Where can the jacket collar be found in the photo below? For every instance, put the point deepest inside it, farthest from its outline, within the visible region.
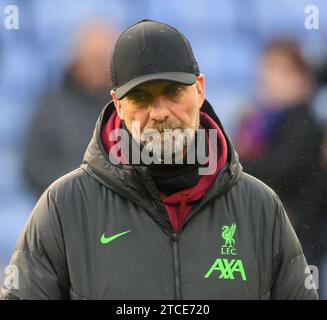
(126, 179)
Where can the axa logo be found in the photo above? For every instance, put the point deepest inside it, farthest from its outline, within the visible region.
(227, 268)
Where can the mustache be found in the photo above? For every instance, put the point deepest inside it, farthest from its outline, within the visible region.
(161, 126)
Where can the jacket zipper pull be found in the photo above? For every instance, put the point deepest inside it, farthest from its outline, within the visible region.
(174, 236)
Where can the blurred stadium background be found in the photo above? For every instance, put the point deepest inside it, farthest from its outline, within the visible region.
(227, 37)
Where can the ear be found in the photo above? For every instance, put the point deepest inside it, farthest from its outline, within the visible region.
(117, 104)
(199, 84)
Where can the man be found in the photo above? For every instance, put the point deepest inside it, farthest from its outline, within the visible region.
(60, 128)
(129, 225)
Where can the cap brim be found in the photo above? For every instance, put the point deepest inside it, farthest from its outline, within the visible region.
(179, 77)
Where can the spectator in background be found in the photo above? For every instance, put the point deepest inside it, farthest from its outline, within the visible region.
(61, 126)
(320, 111)
(286, 152)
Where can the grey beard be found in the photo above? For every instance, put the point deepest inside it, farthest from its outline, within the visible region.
(167, 145)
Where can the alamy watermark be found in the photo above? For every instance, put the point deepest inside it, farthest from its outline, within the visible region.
(312, 279)
(11, 17)
(311, 21)
(11, 280)
(166, 146)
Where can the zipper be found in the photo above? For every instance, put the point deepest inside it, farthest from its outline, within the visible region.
(177, 279)
(174, 235)
(176, 265)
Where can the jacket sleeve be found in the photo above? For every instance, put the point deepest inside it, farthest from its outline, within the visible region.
(39, 258)
(291, 276)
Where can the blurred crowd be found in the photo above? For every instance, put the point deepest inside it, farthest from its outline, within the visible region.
(63, 122)
(281, 141)
(265, 76)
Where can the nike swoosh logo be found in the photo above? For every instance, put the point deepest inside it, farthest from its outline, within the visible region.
(106, 240)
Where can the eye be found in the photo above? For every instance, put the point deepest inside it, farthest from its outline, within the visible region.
(174, 91)
(139, 97)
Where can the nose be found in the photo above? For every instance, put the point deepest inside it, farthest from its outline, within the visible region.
(159, 109)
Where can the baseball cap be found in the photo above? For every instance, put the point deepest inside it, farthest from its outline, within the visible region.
(148, 51)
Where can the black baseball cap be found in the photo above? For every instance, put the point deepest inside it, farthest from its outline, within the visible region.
(148, 51)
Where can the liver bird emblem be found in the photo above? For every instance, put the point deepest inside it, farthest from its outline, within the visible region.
(228, 235)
